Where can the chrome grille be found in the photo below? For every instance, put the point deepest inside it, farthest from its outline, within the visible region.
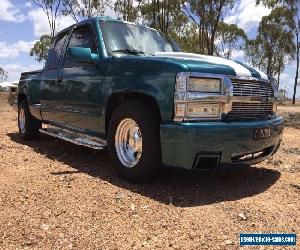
(247, 110)
(242, 87)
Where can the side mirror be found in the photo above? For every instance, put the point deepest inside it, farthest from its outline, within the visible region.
(82, 54)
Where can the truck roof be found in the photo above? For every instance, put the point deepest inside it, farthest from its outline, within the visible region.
(102, 18)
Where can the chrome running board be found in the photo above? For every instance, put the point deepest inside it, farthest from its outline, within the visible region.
(75, 137)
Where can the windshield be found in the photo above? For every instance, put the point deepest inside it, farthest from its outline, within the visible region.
(129, 38)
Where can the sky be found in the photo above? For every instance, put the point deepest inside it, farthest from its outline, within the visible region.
(22, 23)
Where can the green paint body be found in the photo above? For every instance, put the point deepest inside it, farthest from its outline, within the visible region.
(78, 97)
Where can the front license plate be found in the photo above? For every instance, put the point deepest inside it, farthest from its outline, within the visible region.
(261, 133)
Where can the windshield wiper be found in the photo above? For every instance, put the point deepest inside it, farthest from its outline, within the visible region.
(129, 51)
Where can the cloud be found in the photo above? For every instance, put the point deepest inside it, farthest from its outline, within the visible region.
(10, 12)
(41, 25)
(238, 55)
(28, 5)
(15, 70)
(246, 14)
(14, 49)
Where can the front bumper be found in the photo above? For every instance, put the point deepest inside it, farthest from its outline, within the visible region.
(184, 144)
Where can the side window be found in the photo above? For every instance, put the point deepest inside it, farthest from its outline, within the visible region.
(55, 52)
(81, 37)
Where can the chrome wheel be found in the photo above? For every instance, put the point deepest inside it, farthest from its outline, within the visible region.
(22, 120)
(128, 142)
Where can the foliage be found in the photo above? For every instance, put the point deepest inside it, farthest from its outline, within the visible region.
(293, 7)
(273, 46)
(229, 38)
(127, 10)
(184, 34)
(83, 9)
(41, 48)
(207, 14)
(3, 75)
(160, 14)
(282, 94)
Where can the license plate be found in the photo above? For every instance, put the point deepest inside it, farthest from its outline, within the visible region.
(261, 133)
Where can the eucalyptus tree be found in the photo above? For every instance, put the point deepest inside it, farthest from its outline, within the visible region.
(273, 46)
(52, 10)
(160, 14)
(83, 9)
(128, 10)
(293, 7)
(207, 14)
(184, 33)
(3, 75)
(229, 37)
(41, 48)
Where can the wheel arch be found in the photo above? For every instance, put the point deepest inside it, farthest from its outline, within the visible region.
(117, 99)
(22, 97)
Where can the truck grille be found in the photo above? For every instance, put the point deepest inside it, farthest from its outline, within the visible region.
(243, 87)
(244, 110)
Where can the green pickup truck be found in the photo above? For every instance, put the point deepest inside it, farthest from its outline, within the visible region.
(125, 87)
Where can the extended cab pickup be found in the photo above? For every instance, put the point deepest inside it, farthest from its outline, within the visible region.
(116, 85)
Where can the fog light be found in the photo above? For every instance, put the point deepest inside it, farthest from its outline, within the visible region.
(203, 110)
(180, 109)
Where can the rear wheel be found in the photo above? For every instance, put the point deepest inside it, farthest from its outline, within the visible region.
(134, 143)
(28, 125)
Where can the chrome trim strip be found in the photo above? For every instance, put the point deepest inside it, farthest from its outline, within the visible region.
(75, 137)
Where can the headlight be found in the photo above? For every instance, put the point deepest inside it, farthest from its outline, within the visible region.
(198, 97)
(203, 110)
(205, 85)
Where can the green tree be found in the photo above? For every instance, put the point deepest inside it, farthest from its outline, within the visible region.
(41, 48)
(184, 33)
(230, 37)
(83, 9)
(207, 14)
(282, 94)
(273, 46)
(127, 10)
(160, 14)
(3, 75)
(293, 7)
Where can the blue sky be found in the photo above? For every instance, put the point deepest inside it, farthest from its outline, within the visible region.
(22, 23)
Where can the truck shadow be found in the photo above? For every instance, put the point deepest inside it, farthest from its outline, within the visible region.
(177, 187)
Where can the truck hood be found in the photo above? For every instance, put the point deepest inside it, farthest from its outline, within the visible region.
(213, 64)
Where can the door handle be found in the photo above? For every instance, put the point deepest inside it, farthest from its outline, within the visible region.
(59, 79)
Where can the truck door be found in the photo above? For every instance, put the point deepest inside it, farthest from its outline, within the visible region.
(78, 85)
(49, 77)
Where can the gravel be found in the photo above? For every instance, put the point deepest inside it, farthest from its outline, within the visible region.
(55, 194)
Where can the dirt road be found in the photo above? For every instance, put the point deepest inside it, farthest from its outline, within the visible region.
(57, 195)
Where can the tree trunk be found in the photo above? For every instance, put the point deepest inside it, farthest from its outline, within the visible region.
(297, 68)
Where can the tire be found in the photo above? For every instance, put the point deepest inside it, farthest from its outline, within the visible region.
(28, 125)
(142, 166)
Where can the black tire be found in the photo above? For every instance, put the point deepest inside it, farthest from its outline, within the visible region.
(149, 163)
(32, 125)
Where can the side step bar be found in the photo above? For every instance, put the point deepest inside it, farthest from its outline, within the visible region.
(75, 137)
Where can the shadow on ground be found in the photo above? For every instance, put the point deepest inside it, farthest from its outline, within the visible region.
(180, 187)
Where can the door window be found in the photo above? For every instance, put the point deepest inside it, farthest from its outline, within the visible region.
(81, 37)
(55, 52)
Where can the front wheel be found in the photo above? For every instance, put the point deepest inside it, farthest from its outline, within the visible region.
(134, 143)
